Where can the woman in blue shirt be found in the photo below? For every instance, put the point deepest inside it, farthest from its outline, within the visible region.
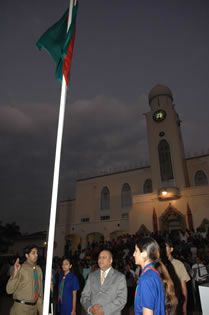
(155, 292)
(67, 289)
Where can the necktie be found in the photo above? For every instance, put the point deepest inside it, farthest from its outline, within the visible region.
(198, 269)
(61, 288)
(102, 277)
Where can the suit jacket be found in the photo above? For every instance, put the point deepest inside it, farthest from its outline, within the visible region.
(111, 296)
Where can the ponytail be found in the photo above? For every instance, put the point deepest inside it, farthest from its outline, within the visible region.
(170, 297)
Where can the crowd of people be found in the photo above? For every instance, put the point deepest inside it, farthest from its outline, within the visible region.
(160, 272)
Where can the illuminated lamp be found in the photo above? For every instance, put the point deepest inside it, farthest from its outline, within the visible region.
(168, 193)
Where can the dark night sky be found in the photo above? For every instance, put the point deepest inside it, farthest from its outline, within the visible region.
(122, 49)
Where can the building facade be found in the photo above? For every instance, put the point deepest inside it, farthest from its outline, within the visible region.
(170, 194)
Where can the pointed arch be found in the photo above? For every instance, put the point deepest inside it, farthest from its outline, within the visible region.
(95, 237)
(126, 197)
(72, 241)
(105, 198)
(200, 178)
(172, 220)
(147, 186)
(143, 230)
(166, 170)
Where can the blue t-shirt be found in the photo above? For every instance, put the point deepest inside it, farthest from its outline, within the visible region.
(149, 293)
(71, 284)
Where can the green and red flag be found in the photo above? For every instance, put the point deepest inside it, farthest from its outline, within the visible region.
(59, 43)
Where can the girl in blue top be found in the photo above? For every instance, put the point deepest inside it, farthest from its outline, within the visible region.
(67, 290)
(155, 291)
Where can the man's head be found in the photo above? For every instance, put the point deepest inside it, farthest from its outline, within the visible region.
(31, 253)
(198, 260)
(169, 247)
(105, 260)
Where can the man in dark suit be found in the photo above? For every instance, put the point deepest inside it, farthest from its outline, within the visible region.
(105, 292)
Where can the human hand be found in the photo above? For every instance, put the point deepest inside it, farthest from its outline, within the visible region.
(17, 267)
(96, 309)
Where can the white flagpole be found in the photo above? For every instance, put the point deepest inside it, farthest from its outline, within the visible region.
(50, 245)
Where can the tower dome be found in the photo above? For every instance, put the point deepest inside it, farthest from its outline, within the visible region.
(158, 94)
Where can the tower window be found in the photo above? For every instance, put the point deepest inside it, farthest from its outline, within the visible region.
(85, 219)
(166, 170)
(105, 198)
(105, 217)
(126, 198)
(200, 178)
(148, 186)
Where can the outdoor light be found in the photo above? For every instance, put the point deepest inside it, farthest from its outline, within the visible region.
(168, 193)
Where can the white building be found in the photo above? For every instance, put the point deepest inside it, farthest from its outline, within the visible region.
(172, 193)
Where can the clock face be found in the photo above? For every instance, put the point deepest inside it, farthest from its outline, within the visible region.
(159, 115)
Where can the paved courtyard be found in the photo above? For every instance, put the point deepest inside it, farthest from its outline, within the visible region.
(6, 303)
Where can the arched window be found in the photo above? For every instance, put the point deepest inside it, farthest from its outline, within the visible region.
(166, 170)
(126, 198)
(200, 178)
(148, 186)
(105, 198)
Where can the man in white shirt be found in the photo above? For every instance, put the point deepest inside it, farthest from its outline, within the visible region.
(199, 271)
(105, 292)
(199, 275)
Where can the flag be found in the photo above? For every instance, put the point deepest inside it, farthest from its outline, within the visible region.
(59, 43)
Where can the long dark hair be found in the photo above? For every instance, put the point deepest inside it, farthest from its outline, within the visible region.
(174, 278)
(152, 249)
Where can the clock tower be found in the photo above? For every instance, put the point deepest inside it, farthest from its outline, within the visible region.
(166, 149)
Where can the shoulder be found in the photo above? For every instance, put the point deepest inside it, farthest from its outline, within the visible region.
(180, 270)
(178, 264)
(117, 276)
(39, 270)
(73, 277)
(24, 266)
(94, 274)
(150, 277)
(150, 287)
(116, 272)
(151, 274)
(24, 269)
